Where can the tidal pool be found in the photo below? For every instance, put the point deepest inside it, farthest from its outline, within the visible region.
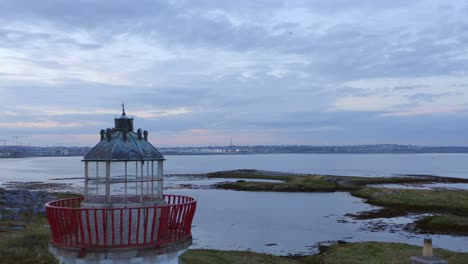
(292, 223)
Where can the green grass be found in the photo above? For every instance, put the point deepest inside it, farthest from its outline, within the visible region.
(354, 181)
(27, 246)
(306, 183)
(378, 252)
(207, 256)
(352, 253)
(450, 224)
(30, 247)
(455, 201)
(311, 182)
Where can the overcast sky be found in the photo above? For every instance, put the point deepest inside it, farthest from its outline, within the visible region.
(198, 72)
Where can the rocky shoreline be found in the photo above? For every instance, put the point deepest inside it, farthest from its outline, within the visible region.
(20, 201)
(21, 205)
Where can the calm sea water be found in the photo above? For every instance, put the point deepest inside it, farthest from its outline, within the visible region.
(453, 165)
(277, 223)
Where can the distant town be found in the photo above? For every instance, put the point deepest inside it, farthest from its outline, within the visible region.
(30, 151)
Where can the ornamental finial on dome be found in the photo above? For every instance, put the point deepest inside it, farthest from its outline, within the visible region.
(123, 122)
(123, 110)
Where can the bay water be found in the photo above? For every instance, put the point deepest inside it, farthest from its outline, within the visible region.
(277, 223)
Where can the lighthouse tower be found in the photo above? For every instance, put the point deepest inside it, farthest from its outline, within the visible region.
(124, 217)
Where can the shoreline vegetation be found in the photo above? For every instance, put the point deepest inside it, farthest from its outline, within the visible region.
(24, 233)
(292, 182)
(345, 253)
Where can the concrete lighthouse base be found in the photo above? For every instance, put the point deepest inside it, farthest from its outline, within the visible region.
(167, 255)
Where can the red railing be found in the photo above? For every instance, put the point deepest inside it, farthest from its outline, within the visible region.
(73, 226)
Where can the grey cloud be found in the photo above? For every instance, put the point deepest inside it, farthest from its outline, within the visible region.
(430, 97)
(345, 51)
(17, 38)
(322, 6)
(347, 41)
(408, 87)
(351, 91)
(422, 97)
(82, 12)
(162, 98)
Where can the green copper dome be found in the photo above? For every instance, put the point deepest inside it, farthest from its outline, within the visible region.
(122, 144)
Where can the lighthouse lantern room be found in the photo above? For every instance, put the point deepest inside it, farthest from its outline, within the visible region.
(124, 217)
(123, 168)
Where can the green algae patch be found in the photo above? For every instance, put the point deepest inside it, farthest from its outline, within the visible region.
(453, 201)
(204, 256)
(444, 224)
(378, 252)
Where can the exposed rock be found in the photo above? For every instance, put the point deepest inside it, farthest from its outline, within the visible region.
(21, 204)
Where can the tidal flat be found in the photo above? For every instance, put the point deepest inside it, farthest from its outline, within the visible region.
(20, 230)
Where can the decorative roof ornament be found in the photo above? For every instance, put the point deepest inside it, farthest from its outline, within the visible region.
(121, 143)
(123, 110)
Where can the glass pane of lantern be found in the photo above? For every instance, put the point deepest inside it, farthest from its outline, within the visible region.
(132, 170)
(158, 166)
(156, 193)
(147, 188)
(118, 172)
(96, 184)
(147, 171)
(91, 169)
(118, 194)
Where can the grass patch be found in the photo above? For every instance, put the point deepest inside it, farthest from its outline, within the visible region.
(312, 182)
(378, 252)
(29, 246)
(448, 224)
(204, 256)
(349, 253)
(357, 182)
(306, 183)
(454, 201)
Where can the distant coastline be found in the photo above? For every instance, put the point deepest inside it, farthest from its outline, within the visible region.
(304, 149)
(61, 151)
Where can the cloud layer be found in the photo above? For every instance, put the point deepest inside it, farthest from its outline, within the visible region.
(261, 72)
